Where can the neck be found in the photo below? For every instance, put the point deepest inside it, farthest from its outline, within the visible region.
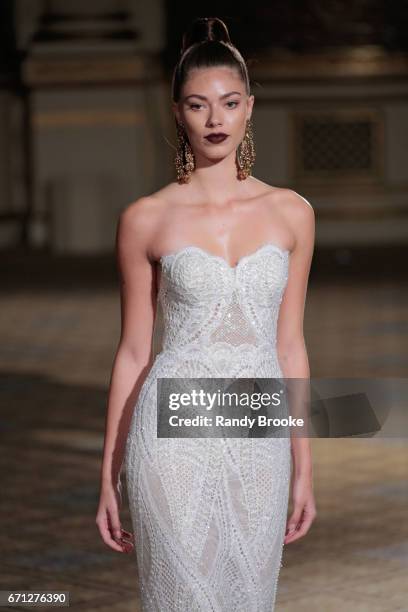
(217, 181)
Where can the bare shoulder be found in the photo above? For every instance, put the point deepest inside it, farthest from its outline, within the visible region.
(140, 213)
(282, 197)
(300, 217)
(293, 204)
(296, 209)
(138, 223)
(147, 210)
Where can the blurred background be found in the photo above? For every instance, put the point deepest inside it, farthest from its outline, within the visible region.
(85, 129)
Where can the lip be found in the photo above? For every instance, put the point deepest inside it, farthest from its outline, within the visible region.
(216, 137)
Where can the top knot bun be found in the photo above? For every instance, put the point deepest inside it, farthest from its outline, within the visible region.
(206, 44)
(204, 29)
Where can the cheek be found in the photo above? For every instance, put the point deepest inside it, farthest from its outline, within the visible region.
(195, 128)
(236, 123)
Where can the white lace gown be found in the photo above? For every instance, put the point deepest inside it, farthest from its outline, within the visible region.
(209, 515)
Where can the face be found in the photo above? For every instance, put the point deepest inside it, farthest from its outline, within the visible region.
(214, 100)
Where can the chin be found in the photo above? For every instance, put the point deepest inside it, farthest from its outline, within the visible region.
(216, 158)
(219, 152)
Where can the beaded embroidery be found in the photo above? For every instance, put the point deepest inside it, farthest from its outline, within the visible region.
(209, 515)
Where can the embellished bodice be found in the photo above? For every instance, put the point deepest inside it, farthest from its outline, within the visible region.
(212, 308)
(209, 513)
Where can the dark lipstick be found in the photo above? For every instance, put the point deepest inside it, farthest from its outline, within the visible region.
(216, 137)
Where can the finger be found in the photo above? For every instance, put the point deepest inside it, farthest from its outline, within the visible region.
(294, 536)
(127, 540)
(128, 535)
(291, 536)
(114, 524)
(111, 543)
(107, 537)
(300, 531)
(128, 548)
(293, 521)
(305, 525)
(106, 532)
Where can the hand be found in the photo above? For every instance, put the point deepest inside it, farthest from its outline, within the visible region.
(304, 509)
(108, 521)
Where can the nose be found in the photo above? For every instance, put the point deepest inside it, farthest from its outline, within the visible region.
(214, 119)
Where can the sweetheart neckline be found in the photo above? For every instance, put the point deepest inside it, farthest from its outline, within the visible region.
(283, 252)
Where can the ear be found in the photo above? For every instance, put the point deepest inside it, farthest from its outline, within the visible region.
(250, 105)
(176, 112)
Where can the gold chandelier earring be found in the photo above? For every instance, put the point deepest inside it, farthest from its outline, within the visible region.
(184, 160)
(245, 158)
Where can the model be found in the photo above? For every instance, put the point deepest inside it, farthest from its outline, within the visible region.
(227, 258)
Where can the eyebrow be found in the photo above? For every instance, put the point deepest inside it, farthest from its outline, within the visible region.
(204, 97)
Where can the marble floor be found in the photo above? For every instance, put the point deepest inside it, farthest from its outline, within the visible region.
(59, 327)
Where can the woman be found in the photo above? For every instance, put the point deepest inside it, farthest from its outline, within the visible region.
(224, 254)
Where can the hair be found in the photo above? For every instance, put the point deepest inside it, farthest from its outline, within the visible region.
(206, 43)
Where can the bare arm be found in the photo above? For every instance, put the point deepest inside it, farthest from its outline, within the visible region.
(291, 346)
(133, 355)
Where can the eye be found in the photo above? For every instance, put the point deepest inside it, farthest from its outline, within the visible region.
(195, 105)
(233, 102)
